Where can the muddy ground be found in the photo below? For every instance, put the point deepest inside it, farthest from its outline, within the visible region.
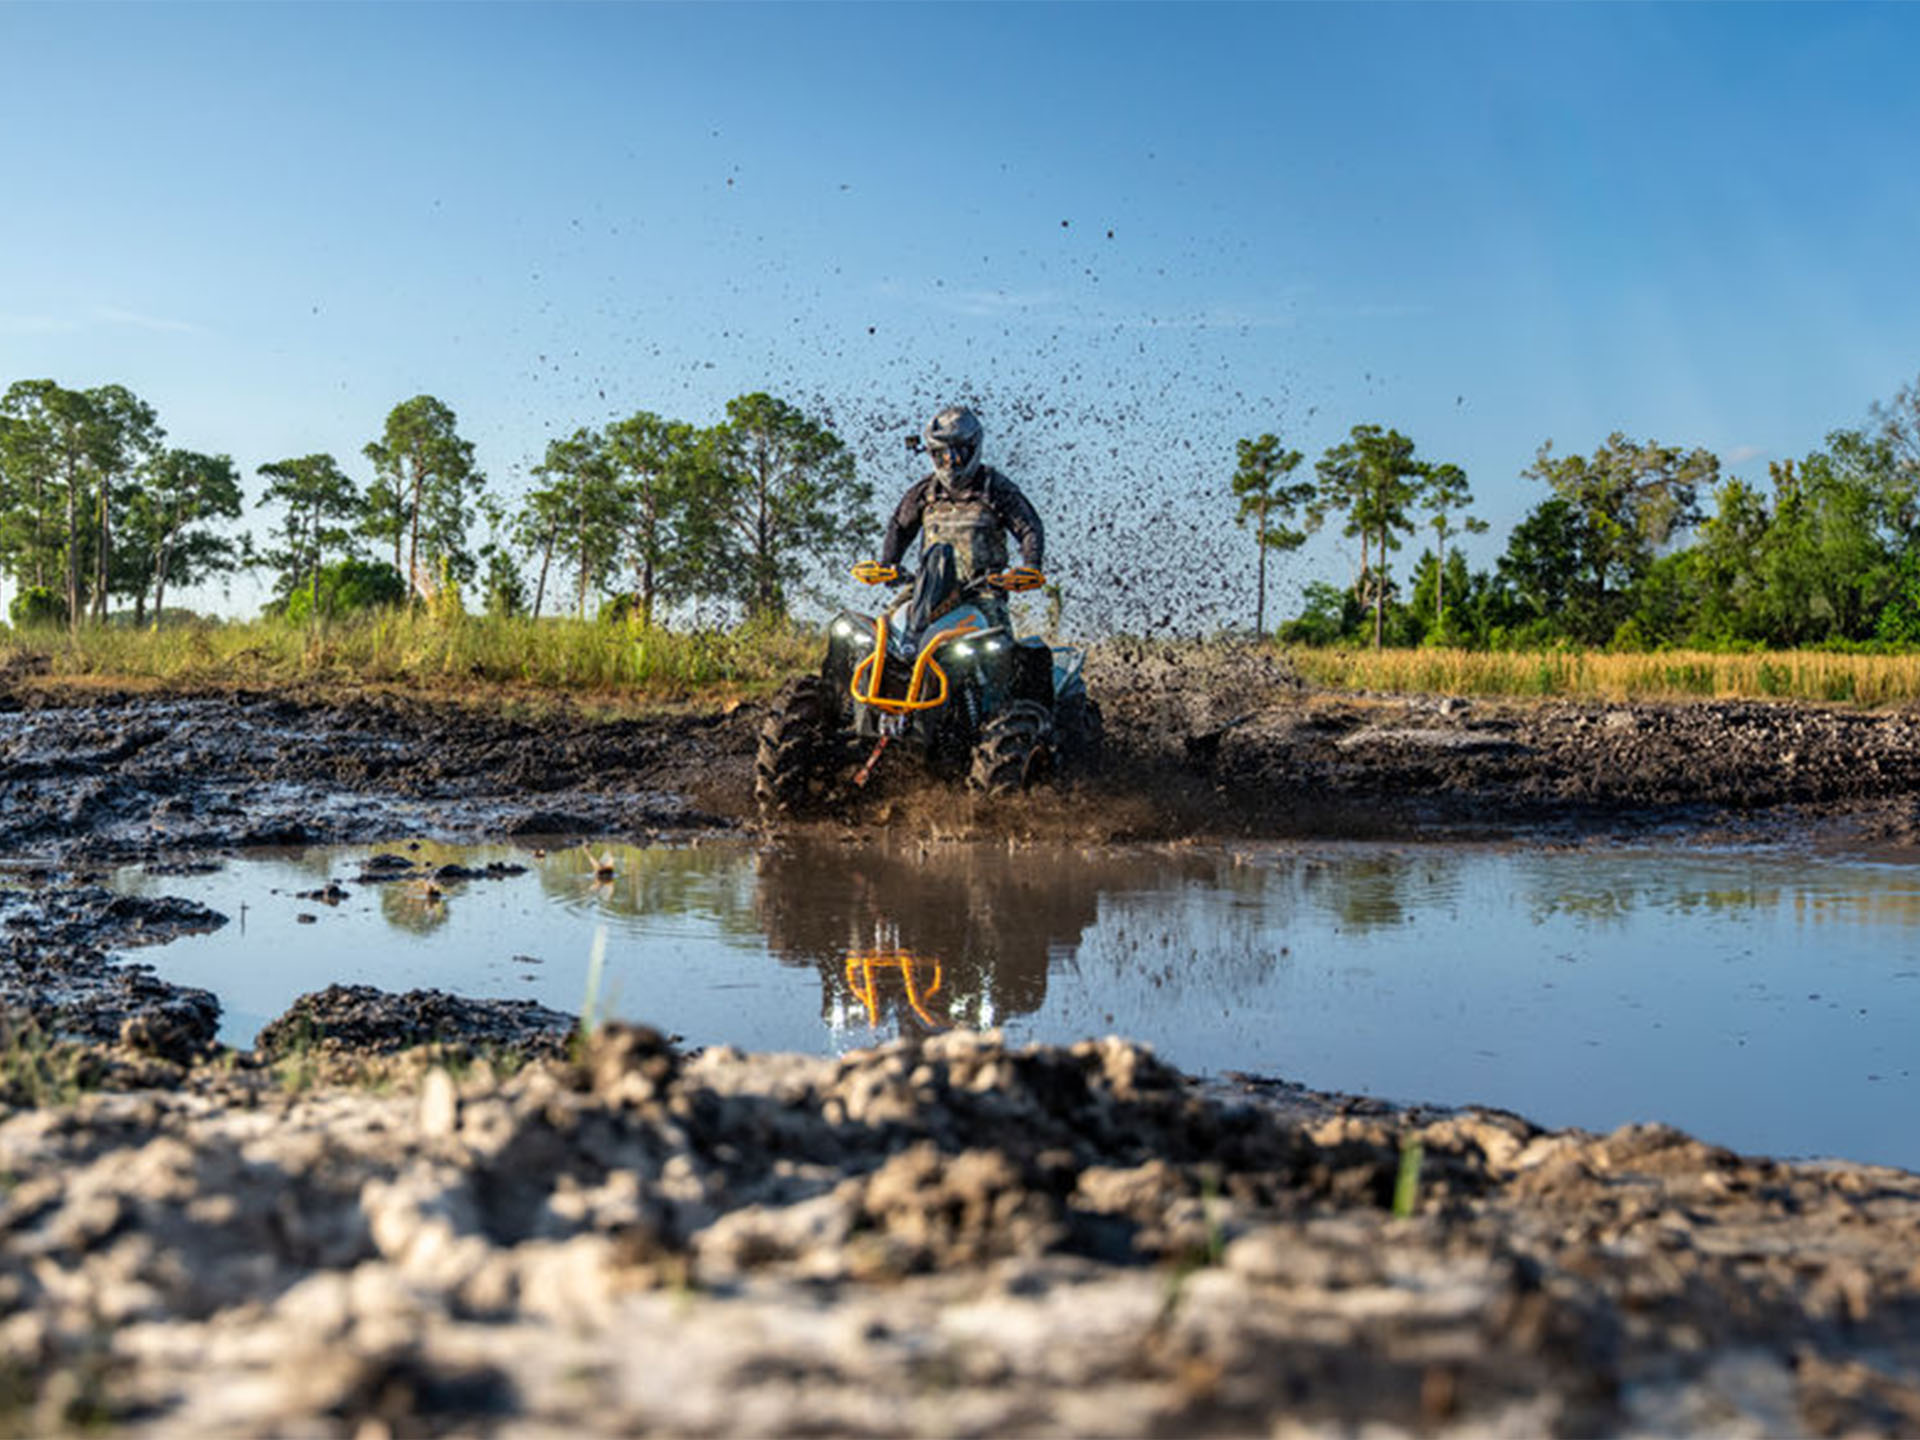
(505, 1232)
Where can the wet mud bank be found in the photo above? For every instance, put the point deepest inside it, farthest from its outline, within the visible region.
(144, 778)
(422, 1214)
(1284, 759)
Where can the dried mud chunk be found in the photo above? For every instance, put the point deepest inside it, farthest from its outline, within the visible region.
(177, 1030)
(633, 1063)
(809, 1237)
(365, 1020)
(933, 1210)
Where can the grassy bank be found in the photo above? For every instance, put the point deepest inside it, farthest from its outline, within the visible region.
(1673, 675)
(420, 651)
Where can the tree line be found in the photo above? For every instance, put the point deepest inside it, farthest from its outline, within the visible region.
(96, 507)
(1637, 545)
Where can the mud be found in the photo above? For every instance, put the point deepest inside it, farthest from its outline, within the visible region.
(421, 1214)
(943, 1238)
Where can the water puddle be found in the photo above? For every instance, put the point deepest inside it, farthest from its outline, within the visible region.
(1761, 1001)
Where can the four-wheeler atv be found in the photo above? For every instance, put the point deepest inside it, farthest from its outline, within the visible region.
(935, 673)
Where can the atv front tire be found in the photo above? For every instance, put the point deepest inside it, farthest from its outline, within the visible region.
(798, 749)
(1014, 752)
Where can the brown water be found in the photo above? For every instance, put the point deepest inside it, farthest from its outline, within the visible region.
(1764, 1001)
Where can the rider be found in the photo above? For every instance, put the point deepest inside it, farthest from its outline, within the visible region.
(966, 504)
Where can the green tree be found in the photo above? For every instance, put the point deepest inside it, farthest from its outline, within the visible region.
(1631, 498)
(25, 477)
(1897, 428)
(1819, 561)
(1444, 491)
(577, 513)
(1732, 561)
(1540, 569)
(1458, 617)
(50, 444)
(1372, 479)
(655, 461)
(169, 536)
(424, 482)
(65, 453)
(127, 438)
(1328, 615)
(782, 491)
(503, 588)
(1269, 502)
(322, 506)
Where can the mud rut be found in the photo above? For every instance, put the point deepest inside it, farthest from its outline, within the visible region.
(346, 1233)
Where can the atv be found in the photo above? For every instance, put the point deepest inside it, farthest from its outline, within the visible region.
(934, 674)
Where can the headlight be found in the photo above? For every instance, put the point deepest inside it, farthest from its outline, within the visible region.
(994, 647)
(846, 629)
(963, 651)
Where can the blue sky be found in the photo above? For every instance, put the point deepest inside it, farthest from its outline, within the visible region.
(1128, 233)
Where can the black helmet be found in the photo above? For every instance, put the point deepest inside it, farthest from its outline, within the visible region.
(953, 440)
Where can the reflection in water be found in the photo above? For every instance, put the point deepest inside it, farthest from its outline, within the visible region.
(1364, 895)
(416, 906)
(1764, 1001)
(918, 980)
(881, 925)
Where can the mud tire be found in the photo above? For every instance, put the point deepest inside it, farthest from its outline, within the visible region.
(1080, 737)
(797, 755)
(1014, 752)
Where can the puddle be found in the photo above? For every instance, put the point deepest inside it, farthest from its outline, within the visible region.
(1760, 1001)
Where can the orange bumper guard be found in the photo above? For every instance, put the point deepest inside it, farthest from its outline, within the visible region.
(872, 667)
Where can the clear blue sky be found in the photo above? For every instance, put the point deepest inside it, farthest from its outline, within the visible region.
(1129, 233)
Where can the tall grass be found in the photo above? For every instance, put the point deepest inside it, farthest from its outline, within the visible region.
(413, 649)
(418, 650)
(1666, 675)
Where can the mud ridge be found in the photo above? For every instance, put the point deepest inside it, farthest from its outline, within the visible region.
(939, 1238)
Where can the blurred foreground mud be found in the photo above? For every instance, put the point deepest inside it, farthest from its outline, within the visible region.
(420, 1214)
(943, 1238)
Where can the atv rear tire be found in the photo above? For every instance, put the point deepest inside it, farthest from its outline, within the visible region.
(1014, 752)
(796, 759)
(1080, 736)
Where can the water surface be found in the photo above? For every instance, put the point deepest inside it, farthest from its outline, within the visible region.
(1763, 1001)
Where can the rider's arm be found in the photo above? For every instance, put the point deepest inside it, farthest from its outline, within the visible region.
(905, 523)
(1016, 513)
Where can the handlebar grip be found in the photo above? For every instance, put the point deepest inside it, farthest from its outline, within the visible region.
(1021, 577)
(872, 572)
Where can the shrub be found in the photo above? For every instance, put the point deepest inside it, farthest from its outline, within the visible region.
(346, 588)
(37, 605)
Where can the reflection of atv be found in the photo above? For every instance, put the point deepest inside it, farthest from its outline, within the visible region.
(945, 679)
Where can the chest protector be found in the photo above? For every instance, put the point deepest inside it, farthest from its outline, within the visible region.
(966, 522)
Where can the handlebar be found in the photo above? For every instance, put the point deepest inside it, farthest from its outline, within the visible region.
(1020, 577)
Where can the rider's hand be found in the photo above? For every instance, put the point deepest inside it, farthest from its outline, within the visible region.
(1021, 577)
(872, 572)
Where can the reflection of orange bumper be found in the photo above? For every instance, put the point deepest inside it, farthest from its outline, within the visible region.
(865, 967)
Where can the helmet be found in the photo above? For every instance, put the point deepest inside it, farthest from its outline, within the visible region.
(953, 440)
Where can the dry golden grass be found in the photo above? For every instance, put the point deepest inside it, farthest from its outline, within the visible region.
(419, 651)
(1672, 675)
